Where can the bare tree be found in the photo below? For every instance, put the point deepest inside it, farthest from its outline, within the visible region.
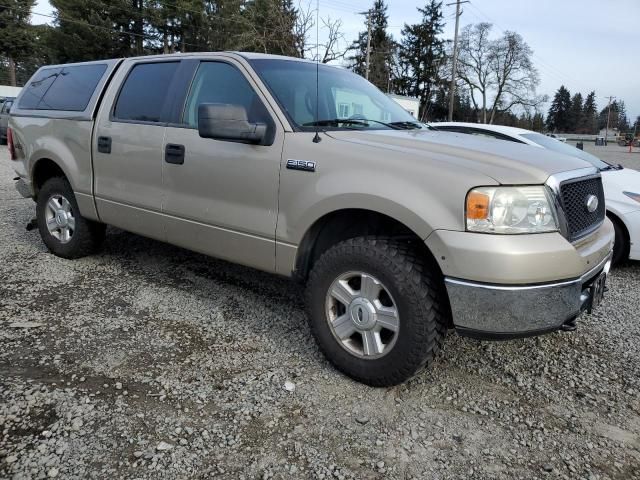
(474, 63)
(515, 78)
(302, 28)
(499, 74)
(332, 48)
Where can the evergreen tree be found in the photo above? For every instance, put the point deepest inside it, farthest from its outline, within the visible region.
(617, 117)
(224, 24)
(576, 113)
(590, 114)
(622, 121)
(267, 27)
(382, 48)
(558, 116)
(17, 37)
(422, 52)
(537, 124)
(91, 30)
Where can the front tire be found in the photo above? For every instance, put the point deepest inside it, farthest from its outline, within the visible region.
(377, 309)
(620, 245)
(63, 230)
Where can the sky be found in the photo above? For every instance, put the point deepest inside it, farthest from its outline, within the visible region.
(584, 45)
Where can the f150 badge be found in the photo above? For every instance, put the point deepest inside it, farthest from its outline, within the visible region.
(304, 165)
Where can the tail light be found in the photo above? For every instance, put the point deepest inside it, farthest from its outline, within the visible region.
(10, 145)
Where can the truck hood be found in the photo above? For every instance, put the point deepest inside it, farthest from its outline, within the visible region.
(504, 161)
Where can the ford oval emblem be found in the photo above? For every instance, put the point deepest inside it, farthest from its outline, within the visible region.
(592, 203)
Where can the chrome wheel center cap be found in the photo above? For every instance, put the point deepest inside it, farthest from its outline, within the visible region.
(363, 314)
(61, 218)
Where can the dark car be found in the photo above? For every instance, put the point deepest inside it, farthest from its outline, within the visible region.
(4, 118)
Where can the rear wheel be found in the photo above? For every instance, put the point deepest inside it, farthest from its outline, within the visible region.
(63, 230)
(377, 310)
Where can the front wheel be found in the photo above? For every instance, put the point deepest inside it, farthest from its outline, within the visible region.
(63, 230)
(620, 245)
(377, 310)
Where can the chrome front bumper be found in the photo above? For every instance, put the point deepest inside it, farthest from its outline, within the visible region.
(509, 311)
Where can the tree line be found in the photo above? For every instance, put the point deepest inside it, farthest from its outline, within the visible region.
(496, 81)
(578, 114)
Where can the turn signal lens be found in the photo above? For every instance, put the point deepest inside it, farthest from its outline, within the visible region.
(477, 206)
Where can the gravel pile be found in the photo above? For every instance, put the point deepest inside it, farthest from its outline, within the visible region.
(148, 361)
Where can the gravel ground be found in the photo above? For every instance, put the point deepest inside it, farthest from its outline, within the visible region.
(149, 361)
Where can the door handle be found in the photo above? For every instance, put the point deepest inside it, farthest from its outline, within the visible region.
(174, 154)
(104, 144)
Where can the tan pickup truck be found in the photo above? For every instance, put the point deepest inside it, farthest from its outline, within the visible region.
(399, 232)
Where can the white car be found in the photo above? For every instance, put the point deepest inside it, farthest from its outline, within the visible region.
(621, 185)
(557, 137)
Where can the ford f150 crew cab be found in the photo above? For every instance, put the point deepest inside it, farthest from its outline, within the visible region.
(304, 170)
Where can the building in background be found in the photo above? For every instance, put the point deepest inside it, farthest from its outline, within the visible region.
(410, 104)
(7, 91)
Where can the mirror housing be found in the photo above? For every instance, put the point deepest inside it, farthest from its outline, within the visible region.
(223, 121)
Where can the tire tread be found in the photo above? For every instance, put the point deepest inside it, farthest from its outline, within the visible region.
(411, 273)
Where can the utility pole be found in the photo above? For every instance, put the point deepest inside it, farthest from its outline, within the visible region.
(606, 131)
(368, 14)
(452, 88)
(368, 43)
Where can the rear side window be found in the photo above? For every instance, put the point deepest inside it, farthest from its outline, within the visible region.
(7, 106)
(145, 92)
(64, 89)
(73, 88)
(36, 89)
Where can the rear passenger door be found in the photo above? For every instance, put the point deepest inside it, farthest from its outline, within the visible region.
(128, 142)
(221, 198)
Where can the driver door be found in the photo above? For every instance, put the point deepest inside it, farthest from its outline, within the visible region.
(221, 197)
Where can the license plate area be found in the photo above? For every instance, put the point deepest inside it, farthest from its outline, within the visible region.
(596, 291)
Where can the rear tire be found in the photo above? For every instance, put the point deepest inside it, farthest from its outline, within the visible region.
(63, 230)
(403, 282)
(620, 245)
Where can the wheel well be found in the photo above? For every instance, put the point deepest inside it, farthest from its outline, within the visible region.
(615, 219)
(342, 225)
(43, 171)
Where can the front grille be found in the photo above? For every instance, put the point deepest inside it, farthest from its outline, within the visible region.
(574, 195)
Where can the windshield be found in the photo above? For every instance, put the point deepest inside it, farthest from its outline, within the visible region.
(560, 147)
(345, 100)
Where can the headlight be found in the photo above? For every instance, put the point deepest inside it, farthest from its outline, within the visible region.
(510, 210)
(633, 196)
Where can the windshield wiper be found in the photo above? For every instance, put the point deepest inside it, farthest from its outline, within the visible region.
(407, 125)
(611, 167)
(336, 122)
(355, 121)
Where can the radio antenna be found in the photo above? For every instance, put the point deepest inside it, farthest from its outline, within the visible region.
(316, 138)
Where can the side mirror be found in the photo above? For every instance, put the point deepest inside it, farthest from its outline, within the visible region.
(223, 121)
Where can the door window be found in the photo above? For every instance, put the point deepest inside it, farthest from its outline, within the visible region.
(219, 82)
(145, 92)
